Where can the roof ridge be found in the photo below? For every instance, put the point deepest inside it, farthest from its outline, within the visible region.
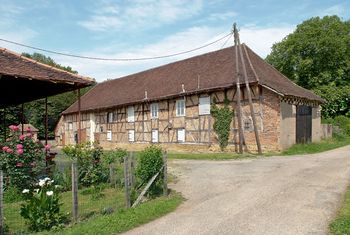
(45, 65)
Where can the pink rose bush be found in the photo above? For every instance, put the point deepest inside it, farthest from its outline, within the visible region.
(19, 156)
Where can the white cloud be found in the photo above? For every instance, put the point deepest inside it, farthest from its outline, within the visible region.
(333, 10)
(259, 39)
(140, 14)
(222, 16)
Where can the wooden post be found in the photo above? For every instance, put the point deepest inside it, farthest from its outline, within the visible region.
(126, 181)
(132, 169)
(165, 172)
(238, 92)
(79, 117)
(252, 112)
(112, 177)
(75, 191)
(1, 203)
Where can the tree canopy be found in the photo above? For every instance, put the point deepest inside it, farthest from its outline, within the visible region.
(317, 56)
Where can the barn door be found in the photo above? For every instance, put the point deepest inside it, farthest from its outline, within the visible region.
(303, 124)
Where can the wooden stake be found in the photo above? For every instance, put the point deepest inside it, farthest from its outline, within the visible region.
(252, 112)
(75, 191)
(126, 181)
(1, 203)
(238, 92)
(165, 172)
(132, 170)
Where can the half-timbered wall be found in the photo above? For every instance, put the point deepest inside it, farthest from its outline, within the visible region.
(199, 133)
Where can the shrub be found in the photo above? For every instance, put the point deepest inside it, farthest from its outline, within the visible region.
(42, 207)
(115, 156)
(12, 194)
(91, 171)
(150, 162)
(343, 123)
(21, 159)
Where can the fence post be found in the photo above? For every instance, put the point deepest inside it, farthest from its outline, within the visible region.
(112, 178)
(75, 191)
(126, 181)
(165, 173)
(1, 203)
(132, 169)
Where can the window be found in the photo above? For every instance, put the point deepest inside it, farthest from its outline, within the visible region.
(109, 135)
(248, 124)
(131, 114)
(204, 105)
(109, 117)
(70, 125)
(154, 110)
(131, 135)
(180, 107)
(154, 136)
(101, 128)
(181, 135)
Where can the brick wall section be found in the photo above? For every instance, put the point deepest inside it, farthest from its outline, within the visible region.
(199, 128)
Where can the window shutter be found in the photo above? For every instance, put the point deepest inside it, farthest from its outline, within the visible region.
(181, 135)
(131, 135)
(131, 114)
(109, 135)
(154, 136)
(204, 105)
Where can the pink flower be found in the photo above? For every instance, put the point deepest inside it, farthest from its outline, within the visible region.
(9, 150)
(19, 146)
(29, 130)
(20, 151)
(19, 164)
(33, 164)
(29, 135)
(22, 137)
(5, 148)
(14, 128)
(47, 147)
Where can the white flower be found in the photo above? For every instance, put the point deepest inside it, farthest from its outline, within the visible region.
(36, 190)
(47, 179)
(49, 193)
(25, 191)
(41, 183)
(57, 186)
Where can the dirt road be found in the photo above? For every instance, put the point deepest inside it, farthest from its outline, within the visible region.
(276, 195)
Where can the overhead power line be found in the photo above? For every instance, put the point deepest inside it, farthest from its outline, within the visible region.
(116, 59)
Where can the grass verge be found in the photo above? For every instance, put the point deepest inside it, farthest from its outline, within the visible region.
(318, 147)
(124, 220)
(341, 224)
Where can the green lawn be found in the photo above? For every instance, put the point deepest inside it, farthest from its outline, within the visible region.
(209, 156)
(88, 206)
(123, 219)
(321, 146)
(341, 224)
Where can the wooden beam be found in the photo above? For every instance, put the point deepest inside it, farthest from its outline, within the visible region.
(252, 112)
(79, 117)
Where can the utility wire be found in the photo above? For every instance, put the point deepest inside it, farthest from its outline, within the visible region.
(115, 59)
(228, 38)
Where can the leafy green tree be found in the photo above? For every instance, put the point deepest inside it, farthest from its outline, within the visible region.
(317, 56)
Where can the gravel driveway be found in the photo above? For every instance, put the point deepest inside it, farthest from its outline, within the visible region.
(275, 195)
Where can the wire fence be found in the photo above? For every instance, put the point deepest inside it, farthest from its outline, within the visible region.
(83, 195)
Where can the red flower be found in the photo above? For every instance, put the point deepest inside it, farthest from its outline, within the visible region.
(19, 164)
(19, 146)
(14, 128)
(9, 150)
(20, 151)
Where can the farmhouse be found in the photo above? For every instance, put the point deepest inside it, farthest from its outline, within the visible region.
(171, 105)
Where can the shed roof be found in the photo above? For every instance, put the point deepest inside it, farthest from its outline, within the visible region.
(23, 79)
(205, 72)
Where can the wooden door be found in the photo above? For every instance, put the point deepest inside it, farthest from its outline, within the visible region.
(303, 124)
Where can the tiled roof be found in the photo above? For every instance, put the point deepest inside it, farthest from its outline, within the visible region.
(204, 72)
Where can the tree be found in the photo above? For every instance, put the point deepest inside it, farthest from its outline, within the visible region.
(316, 56)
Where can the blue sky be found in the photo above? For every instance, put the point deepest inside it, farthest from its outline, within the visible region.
(143, 28)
